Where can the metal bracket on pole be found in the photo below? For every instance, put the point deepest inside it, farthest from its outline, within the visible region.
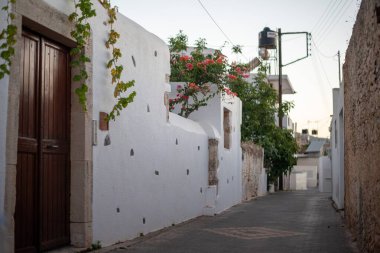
(307, 47)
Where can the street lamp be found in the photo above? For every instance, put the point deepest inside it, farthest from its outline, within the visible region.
(267, 40)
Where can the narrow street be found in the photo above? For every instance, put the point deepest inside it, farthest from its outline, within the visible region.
(298, 221)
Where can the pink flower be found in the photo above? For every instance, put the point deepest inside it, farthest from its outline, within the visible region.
(193, 86)
(184, 58)
(179, 87)
(208, 61)
(185, 97)
(232, 77)
(219, 60)
(246, 75)
(189, 66)
(229, 92)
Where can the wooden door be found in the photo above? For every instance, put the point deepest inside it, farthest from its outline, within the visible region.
(42, 190)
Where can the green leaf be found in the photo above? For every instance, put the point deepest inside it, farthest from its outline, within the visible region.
(77, 78)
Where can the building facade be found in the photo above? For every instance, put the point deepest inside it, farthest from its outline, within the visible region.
(68, 178)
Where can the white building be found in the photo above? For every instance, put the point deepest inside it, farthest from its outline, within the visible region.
(337, 147)
(144, 172)
(287, 89)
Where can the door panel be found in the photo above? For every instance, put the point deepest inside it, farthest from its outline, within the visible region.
(26, 212)
(42, 191)
(54, 146)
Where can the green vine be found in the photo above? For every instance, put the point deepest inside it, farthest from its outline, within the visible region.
(8, 35)
(81, 34)
(115, 68)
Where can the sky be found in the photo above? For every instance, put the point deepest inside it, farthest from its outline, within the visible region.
(238, 22)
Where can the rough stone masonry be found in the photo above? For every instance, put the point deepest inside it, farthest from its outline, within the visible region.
(362, 128)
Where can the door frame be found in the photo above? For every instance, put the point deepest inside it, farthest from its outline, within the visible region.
(41, 18)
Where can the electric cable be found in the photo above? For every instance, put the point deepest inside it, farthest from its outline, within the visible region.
(327, 10)
(338, 17)
(327, 20)
(213, 20)
(321, 53)
(323, 69)
(318, 76)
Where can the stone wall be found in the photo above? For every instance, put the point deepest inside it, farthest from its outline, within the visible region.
(362, 128)
(253, 158)
(213, 162)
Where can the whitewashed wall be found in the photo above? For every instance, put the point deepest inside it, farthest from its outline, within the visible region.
(127, 189)
(298, 181)
(337, 147)
(229, 190)
(230, 164)
(165, 181)
(311, 171)
(324, 170)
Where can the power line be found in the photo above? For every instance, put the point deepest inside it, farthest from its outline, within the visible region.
(321, 53)
(327, 20)
(323, 14)
(323, 68)
(213, 20)
(338, 17)
(318, 76)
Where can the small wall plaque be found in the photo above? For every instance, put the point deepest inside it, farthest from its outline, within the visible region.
(103, 122)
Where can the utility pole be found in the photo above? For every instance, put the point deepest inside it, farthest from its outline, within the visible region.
(280, 65)
(280, 87)
(340, 79)
(267, 41)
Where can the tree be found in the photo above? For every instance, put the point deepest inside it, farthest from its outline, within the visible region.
(258, 123)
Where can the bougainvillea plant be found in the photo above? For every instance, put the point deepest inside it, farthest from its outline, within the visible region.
(204, 74)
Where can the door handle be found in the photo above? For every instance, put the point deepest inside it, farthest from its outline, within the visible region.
(52, 146)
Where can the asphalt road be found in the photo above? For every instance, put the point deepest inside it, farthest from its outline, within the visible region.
(298, 221)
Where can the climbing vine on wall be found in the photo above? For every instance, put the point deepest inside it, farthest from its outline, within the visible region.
(7, 40)
(81, 33)
(116, 69)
